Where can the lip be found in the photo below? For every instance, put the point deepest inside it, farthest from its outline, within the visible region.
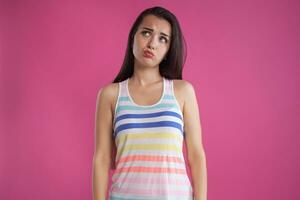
(148, 54)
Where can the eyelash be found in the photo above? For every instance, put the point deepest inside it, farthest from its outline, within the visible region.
(144, 32)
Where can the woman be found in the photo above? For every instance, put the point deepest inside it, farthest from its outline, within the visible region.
(145, 115)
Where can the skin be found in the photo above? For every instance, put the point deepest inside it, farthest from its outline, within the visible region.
(147, 82)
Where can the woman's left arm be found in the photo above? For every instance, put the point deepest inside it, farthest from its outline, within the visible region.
(195, 150)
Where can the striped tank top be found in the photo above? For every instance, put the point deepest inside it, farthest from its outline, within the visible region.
(149, 139)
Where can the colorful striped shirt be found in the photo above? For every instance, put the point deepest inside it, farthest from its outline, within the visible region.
(149, 141)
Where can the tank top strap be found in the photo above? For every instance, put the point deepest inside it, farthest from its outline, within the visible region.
(168, 89)
(169, 93)
(122, 97)
(123, 88)
(170, 96)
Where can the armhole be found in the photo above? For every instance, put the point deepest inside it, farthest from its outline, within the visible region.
(177, 103)
(116, 104)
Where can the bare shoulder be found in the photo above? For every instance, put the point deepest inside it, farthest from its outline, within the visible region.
(109, 93)
(183, 89)
(183, 85)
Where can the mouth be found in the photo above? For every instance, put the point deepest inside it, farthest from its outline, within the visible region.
(148, 54)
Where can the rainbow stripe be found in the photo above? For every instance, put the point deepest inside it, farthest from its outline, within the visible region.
(149, 139)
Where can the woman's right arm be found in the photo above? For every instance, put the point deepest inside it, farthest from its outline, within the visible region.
(103, 144)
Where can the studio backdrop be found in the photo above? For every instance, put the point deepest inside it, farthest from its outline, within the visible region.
(241, 59)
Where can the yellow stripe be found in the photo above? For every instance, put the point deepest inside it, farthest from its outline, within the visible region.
(132, 136)
(164, 147)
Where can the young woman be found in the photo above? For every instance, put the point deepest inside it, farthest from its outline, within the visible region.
(145, 115)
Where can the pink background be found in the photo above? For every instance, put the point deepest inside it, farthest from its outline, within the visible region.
(242, 61)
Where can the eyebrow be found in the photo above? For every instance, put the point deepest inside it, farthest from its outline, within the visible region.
(152, 31)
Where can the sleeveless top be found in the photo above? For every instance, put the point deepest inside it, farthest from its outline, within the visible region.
(149, 158)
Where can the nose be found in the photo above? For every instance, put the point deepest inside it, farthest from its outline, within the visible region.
(152, 44)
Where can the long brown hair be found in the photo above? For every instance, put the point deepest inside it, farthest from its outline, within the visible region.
(172, 66)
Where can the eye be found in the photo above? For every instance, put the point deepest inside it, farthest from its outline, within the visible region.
(165, 39)
(145, 33)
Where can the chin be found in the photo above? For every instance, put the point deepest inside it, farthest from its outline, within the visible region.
(149, 66)
(148, 63)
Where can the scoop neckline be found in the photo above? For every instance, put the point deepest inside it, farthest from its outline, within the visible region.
(158, 102)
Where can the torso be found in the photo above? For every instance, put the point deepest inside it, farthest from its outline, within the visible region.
(138, 94)
(149, 136)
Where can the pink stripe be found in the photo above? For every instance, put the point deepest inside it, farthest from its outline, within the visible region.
(142, 180)
(150, 158)
(150, 170)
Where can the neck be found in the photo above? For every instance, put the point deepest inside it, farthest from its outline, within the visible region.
(146, 76)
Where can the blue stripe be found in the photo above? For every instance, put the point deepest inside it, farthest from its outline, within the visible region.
(124, 98)
(148, 115)
(167, 96)
(119, 198)
(148, 125)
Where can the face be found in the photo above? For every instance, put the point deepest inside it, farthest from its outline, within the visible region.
(151, 41)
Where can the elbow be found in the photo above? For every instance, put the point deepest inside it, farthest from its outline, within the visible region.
(101, 160)
(197, 157)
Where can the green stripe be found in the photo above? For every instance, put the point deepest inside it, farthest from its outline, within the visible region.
(130, 107)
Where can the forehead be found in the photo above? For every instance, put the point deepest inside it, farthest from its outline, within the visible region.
(158, 24)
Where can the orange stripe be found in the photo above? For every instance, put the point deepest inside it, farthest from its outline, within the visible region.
(151, 170)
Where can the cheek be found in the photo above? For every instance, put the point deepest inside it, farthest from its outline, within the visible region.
(136, 50)
(164, 51)
(138, 45)
(135, 46)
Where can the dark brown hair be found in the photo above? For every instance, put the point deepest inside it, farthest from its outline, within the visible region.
(172, 66)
